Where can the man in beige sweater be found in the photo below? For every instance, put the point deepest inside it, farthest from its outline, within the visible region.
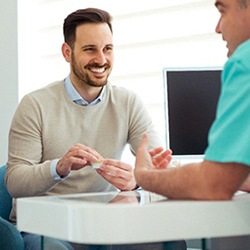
(60, 131)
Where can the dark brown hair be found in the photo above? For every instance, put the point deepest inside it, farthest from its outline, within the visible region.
(82, 16)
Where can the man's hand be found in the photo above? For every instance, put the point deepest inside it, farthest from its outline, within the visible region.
(160, 158)
(149, 160)
(118, 173)
(76, 158)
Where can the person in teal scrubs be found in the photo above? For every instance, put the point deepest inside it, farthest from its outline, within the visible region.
(226, 165)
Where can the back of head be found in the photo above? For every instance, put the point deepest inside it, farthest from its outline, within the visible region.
(82, 16)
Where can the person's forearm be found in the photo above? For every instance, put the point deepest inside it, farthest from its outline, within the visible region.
(29, 180)
(181, 185)
(200, 181)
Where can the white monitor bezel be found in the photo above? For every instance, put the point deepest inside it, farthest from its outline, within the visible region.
(189, 157)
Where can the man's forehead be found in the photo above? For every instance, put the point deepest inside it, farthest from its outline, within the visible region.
(92, 27)
(94, 33)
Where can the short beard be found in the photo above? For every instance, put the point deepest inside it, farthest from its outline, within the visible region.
(84, 78)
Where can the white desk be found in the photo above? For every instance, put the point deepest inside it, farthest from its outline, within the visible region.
(97, 218)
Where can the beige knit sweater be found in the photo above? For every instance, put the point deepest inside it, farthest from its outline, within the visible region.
(47, 123)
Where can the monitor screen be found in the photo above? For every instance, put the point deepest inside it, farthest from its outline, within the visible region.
(191, 96)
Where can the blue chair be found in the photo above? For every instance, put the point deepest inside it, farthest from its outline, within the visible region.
(10, 237)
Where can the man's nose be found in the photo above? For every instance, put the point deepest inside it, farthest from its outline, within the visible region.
(100, 58)
(217, 28)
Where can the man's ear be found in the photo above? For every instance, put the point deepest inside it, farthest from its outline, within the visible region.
(66, 51)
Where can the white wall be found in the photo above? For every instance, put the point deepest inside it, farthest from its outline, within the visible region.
(8, 71)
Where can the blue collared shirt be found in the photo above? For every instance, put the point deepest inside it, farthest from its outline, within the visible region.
(75, 97)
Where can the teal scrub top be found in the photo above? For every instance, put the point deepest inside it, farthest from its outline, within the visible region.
(229, 136)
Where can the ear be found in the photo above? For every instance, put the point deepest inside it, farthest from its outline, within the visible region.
(66, 51)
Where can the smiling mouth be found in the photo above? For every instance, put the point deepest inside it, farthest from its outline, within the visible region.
(97, 70)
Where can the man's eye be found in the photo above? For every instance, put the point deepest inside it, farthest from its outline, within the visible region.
(88, 49)
(109, 48)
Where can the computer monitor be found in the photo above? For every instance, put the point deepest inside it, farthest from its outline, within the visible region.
(191, 96)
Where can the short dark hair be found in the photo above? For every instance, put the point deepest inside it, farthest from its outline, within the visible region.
(82, 16)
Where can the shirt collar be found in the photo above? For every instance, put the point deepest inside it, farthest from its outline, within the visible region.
(76, 97)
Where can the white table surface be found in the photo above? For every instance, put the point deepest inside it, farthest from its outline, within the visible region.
(119, 218)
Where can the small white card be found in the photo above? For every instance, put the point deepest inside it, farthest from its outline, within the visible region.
(96, 165)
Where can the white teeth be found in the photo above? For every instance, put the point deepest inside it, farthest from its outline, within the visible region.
(97, 70)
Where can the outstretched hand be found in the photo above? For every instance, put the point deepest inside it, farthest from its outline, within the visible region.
(157, 158)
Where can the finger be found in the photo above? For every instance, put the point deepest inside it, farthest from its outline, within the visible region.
(161, 165)
(85, 154)
(77, 160)
(159, 150)
(162, 159)
(120, 172)
(163, 156)
(116, 164)
(167, 154)
(155, 151)
(88, 150)
(145, 140)
(118, 181)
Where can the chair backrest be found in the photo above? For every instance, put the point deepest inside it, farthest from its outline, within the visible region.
(5, 198)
